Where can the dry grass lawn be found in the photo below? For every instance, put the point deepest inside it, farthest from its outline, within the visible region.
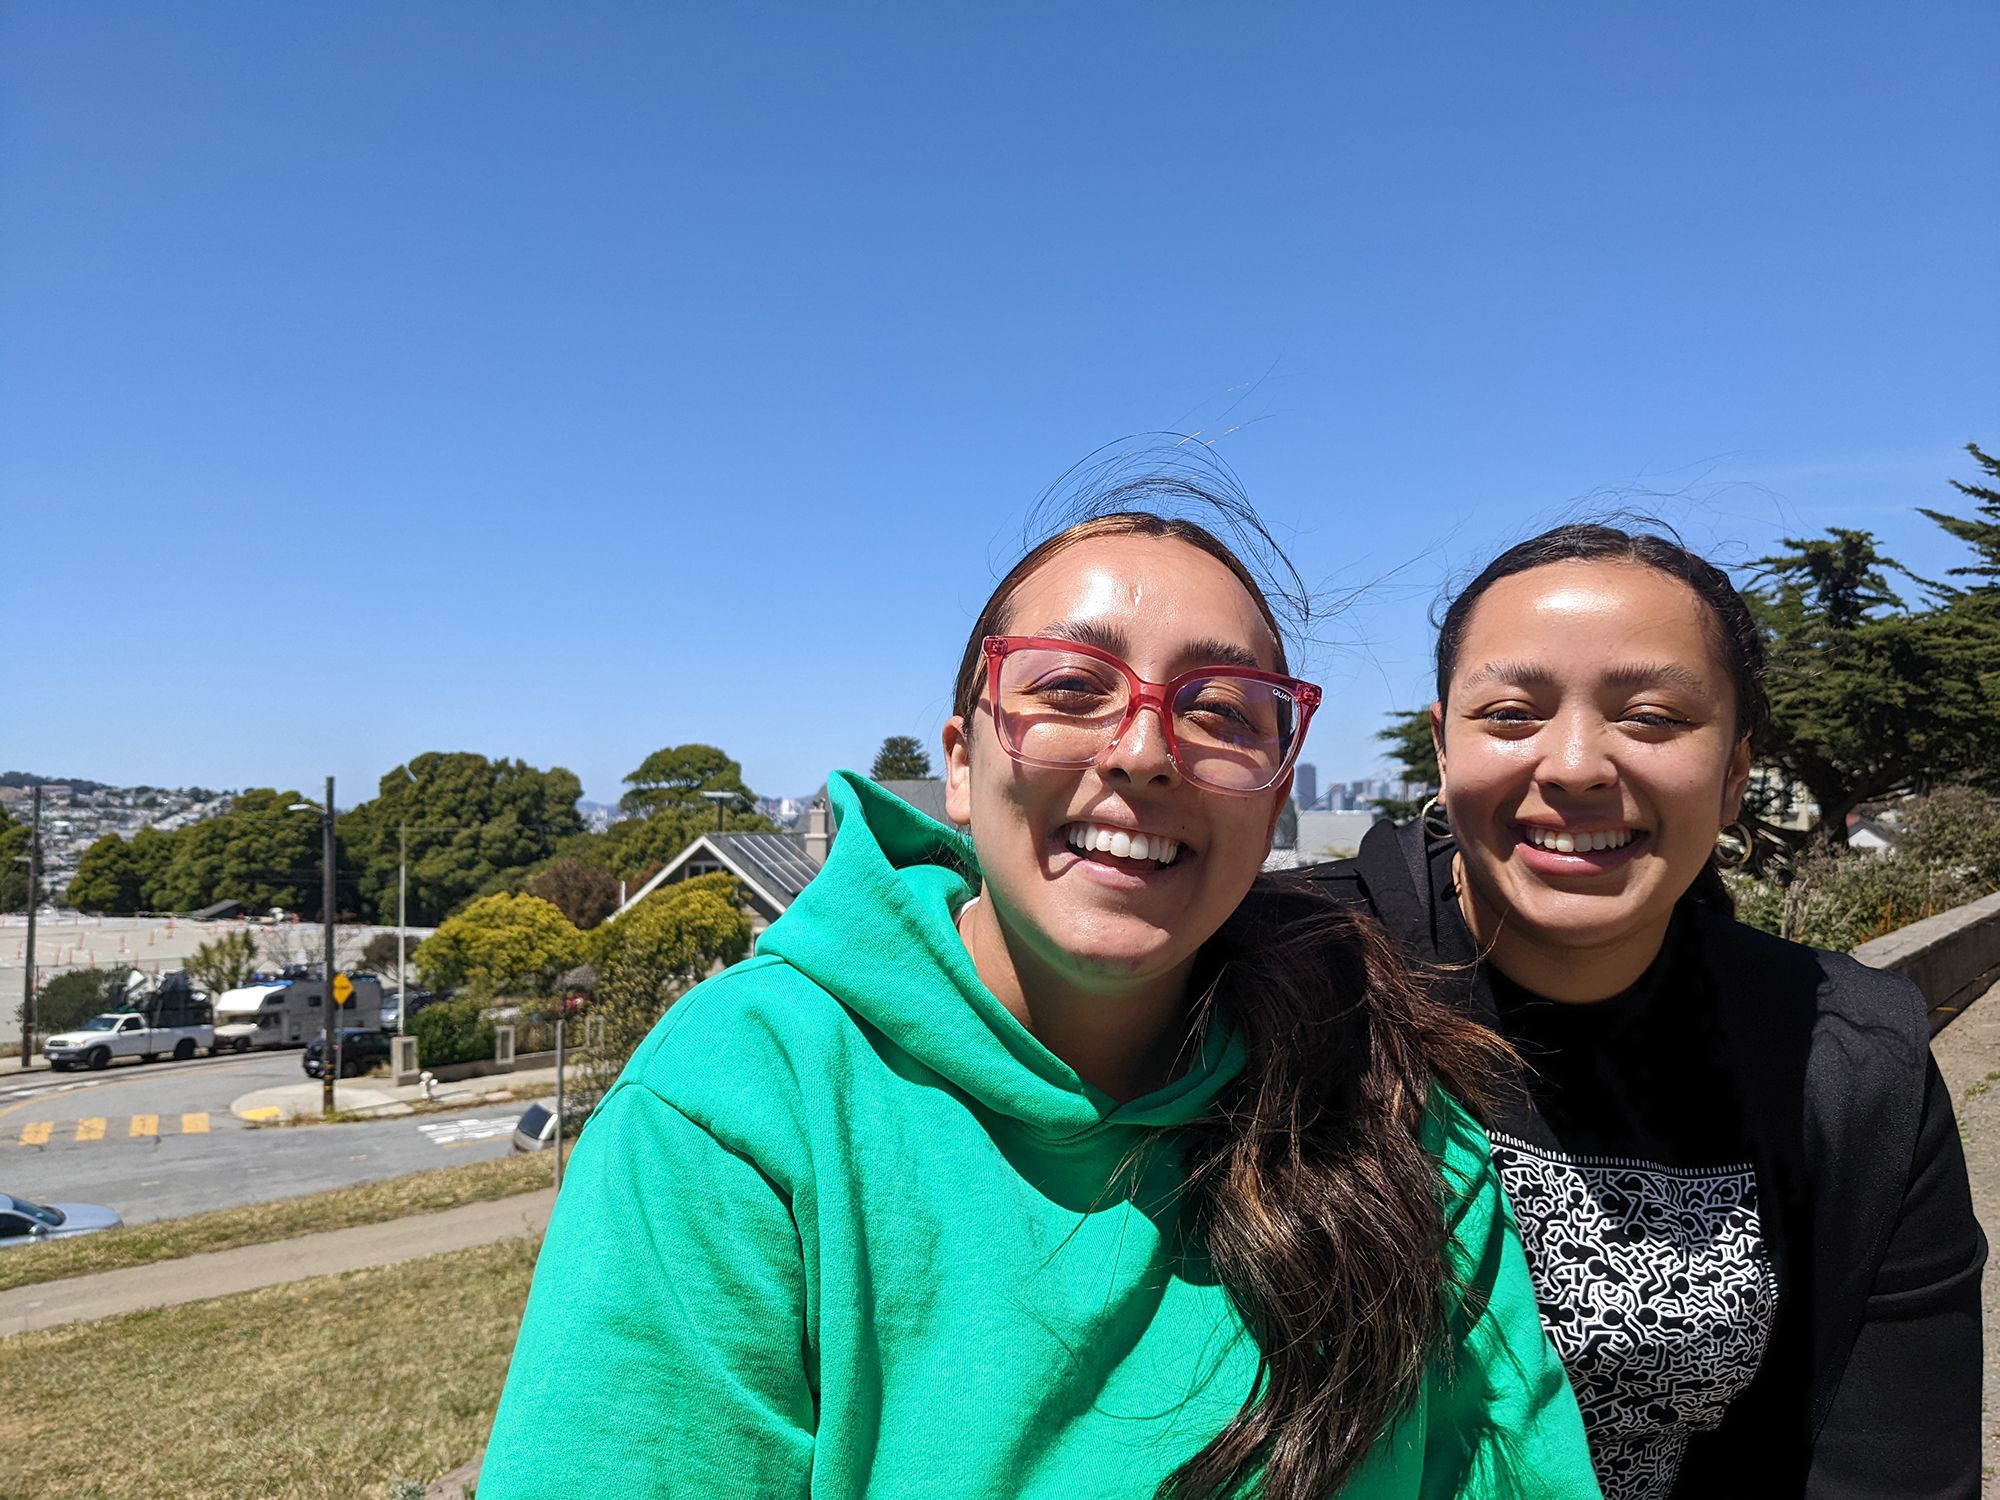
(322, 1390)
(226, 1228)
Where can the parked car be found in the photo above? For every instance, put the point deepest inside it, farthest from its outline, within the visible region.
(25, 1223)
(360, 1049)
(126, 1034)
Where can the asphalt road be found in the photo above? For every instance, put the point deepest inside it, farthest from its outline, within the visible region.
(157, 1141)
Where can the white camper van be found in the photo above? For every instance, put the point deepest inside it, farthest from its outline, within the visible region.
(289, 1009)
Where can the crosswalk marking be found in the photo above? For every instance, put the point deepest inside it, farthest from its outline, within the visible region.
(458, 1132)
(138, 1128)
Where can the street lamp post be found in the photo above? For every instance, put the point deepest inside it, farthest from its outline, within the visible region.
(721, 801)
(28, 974)
(329, 1056)
(402, 920)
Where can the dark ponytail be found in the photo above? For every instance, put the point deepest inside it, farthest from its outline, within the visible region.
(1318, 1205)
(1309, 1187)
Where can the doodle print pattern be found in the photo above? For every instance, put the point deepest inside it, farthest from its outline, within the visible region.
(1658, 1293)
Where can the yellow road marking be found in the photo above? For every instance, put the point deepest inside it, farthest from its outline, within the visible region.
(139, 1075)
(37, 1134)
(195, 1124)
(268, 1112)
(90, 1130)
(145, 1125)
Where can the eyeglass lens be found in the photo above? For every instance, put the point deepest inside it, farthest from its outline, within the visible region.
(1058, 708)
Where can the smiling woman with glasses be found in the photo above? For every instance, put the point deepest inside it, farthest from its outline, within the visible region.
(1039, 1161)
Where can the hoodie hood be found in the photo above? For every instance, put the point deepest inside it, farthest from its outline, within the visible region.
(875, 930)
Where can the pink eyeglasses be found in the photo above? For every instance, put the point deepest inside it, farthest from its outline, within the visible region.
(1062, 704)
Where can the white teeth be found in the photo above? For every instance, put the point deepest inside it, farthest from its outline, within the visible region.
(1565, 842)
(1122, 843)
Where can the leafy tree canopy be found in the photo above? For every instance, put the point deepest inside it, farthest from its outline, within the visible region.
(107, 878)
(1870, 697)
(68, 1000)
(901, 758)
(676, 777)
(647, 958)
(501, 945)
(1412, 756)
(472, 823)
(262, 852)
(14, 838)
(583, 893)
(223, 963)
(1981, 533)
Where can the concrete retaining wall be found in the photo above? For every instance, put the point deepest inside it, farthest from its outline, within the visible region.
(458, 1072)
(1954, 956)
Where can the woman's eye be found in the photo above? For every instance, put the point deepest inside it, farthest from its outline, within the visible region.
(1508, 714)
(1650, 720)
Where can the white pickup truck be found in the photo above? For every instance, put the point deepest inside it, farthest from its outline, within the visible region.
(164, 1015)
(124, 1034)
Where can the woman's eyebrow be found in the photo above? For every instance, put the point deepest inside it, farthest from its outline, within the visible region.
(1206, 652)
(1630, 675)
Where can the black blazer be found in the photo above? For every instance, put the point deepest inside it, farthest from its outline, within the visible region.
(1854, 1140)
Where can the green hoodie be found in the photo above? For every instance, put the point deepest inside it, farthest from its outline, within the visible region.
(845, 1228)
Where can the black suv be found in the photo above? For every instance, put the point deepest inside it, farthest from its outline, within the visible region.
(360, 1050)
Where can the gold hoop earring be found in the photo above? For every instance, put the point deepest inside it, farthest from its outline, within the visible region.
(1734, 845)
(1438, 827)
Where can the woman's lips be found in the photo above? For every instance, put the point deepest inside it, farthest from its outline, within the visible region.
(1577, 860)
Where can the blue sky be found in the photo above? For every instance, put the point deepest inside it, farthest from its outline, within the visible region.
(565, 381)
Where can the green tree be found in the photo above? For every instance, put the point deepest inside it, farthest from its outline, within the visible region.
(152, 853)
(901, 758)
(14, 838)
(1412, 757)
(1981, 533)
(649, 957)
(223, 963)
(1870, 698)
(378, 954)
(583, 893)
(473, 825)
(70, 999)
(262, 852)
(676, 777)
(501, 945)
(107, 878)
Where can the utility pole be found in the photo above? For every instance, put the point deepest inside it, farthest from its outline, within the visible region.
(329, 1057)
(402, 893)
(34, 879)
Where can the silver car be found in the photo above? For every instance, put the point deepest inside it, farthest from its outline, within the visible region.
(25, 1223)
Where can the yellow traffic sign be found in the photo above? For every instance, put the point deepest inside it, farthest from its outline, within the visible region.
(343, 989)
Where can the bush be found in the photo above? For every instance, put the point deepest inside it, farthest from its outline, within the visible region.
(1840, 900)
(505, 945)
(68, 1000)
(378, 955)
(453, 1031)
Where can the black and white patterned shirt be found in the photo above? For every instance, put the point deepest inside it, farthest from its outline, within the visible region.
(1630, 1172)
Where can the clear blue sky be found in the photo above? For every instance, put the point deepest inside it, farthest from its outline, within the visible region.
(565, 381)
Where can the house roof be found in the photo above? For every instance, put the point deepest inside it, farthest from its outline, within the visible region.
(773, 867)
(776, 861)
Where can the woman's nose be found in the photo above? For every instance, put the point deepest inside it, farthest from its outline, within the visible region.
(1578, 757)
(1141, 750)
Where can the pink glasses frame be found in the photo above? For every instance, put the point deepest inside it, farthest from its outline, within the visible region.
(1158, 696)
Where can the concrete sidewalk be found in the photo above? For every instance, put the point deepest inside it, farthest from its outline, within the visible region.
(1968, 1054)
(197, 1278)
(378, 1096)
